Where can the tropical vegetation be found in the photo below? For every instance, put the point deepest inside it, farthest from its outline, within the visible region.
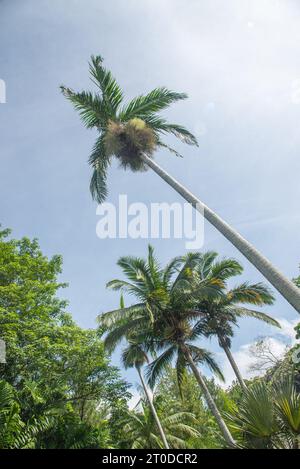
(58, 388)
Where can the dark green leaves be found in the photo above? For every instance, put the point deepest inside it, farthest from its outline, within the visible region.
(145, 105)
(90, 107)
(111, 92)
(100, 163)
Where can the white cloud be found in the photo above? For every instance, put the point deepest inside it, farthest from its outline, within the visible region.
(288, 329)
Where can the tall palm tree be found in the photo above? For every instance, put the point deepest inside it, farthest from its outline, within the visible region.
(222, 312)
(132, 133)
(163, 318)
(142, 433)
(135, 356)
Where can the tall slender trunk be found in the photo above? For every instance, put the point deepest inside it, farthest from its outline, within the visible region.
(209, 399)
(154, 413)
(288, 290)
(232, 362)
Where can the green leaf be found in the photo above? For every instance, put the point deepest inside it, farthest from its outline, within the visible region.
(90, 107)
(143, 105)
(111, 92)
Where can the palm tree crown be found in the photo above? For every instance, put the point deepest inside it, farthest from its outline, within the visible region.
(126, 130)
(219, 314)
(165, 316)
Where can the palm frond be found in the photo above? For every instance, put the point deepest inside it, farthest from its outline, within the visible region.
(112, 94)
(90, 107)
(257, 315)
(179, 417)
(288, 403)
(257, 294)
(205, 263)
(110, 318)
(171, 268)
(100, 163)
(203, 356)
(189, 262)
(123, 286)
(225, 269)
(120, 332)
(134, 355)
(255, 417)
(180, 132)
(199, 328)
(155, 369)
(170, 149)
(135, 269)
(27, 438)
(155, 101)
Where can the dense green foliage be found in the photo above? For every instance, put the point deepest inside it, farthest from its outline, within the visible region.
(268, 416)
(189, 398)
(58, 389)
(140, 430)
(55, 372)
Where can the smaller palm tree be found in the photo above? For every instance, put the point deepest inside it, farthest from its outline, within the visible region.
(268, 417)
(141, 429)
(164, 317)
(135, 356)
(220, 313)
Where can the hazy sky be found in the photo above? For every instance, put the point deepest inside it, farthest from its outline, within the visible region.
(238, 61)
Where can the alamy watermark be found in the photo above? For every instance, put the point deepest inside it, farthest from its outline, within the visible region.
(153, 221)
(2, 351)
(2, 92)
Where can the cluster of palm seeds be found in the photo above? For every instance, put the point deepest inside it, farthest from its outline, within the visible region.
(128, 140)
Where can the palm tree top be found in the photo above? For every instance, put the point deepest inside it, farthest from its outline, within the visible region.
(134, 355)
(126, 130)
(165, 316)
(220, 313)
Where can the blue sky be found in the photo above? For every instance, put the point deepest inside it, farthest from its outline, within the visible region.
(239, 63)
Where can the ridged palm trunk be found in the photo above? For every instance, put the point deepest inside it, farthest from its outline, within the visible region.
(287, 289)
(154, 413)
(232, 362)
(209, 400)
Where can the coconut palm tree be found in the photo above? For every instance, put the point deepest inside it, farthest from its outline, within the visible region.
(135, 356)
(131, 133)
(141, 430)
(163, 319)
(222, 312)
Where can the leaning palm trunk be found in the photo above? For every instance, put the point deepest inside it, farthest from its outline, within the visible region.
(154, 413)
(232, 362)
(209, 400)
(287, 289)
